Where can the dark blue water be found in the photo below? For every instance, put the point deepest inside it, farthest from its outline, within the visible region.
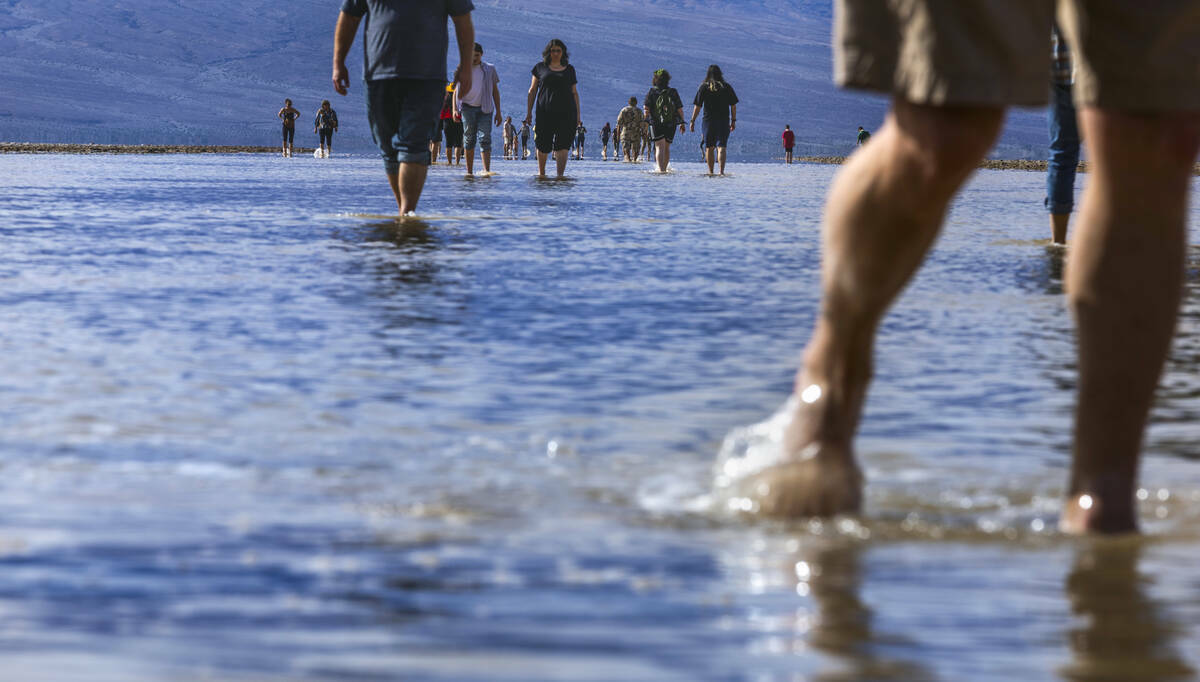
(249, 432)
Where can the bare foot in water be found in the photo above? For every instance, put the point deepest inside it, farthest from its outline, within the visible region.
(1087, 513)
(817, 486)
(817, 476)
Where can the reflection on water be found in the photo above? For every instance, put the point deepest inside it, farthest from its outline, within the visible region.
(841, 623)
(1121, 633)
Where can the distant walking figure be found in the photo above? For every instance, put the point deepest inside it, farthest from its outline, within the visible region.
(580, 138)
(288, 114)
(452, 127)
(524, 139)
(325, 123)
(863, 136)
(605, 133)
(404, 67)
(629, 129)
(719, 102)
(510, 138)
(789, 141)
(664, 110)
(554, 89)
(479, 105)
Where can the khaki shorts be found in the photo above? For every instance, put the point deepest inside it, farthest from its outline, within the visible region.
(1140, 55)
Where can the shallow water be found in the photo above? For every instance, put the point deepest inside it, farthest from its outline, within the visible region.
(248, 434)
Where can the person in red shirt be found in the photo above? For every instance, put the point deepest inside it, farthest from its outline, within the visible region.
(789, 141)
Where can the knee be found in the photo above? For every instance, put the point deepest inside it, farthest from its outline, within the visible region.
(1168, 140)
(945, 143)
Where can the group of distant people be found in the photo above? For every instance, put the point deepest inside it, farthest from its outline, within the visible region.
(324, 125)
(789, 141)
(401, 61)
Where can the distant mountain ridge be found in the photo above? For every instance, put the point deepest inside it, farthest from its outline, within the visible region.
(179, 72)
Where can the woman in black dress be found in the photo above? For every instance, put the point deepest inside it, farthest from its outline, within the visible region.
(557, 98)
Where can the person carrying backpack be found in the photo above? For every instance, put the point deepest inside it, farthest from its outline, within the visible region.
(323, 125)
(664, 111)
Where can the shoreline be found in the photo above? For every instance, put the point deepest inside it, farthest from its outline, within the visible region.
(89, 148)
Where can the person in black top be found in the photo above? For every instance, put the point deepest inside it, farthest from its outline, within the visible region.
(720, 115)
(558, 115)
(605, 133)
(664, 111)
(289, 114)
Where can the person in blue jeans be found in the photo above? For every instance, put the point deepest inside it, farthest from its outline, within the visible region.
(479, 103)
(404, 70)
(1064, 140)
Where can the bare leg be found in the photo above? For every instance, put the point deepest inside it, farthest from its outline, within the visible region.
(662, 155)
(710, 157)
(721, 159)
(470, 161)
(881, 216)
(541, 158)
(1058, 227)
(487, 161)
(407, 185)
(1124, 282)
(560, 162)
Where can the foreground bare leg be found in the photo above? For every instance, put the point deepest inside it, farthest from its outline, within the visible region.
(541, 160)
(882, 214)
(1124, 280)
(710, 158)
(407, 185)
(721, 159)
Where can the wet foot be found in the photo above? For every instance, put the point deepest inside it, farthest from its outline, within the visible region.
(814, 486)
(1086, 514)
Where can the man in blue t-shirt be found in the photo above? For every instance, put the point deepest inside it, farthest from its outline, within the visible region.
(404, 69)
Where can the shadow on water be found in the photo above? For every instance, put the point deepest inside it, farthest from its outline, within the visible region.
(1121, 633)
(841, 623)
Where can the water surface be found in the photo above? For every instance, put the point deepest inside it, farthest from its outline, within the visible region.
(248, 433)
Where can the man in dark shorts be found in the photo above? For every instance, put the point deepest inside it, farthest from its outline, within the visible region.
(789, 142)
(404, 69)
(605, 133)
(951, 68)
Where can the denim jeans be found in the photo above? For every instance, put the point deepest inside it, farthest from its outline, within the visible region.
(1064, 151)
(402, 113)
(476, 123)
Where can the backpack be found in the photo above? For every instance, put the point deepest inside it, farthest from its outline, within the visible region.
(663, 110)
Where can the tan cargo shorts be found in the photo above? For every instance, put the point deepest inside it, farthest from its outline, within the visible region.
(1139, 55)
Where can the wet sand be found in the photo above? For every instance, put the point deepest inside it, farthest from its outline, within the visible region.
(64, 148)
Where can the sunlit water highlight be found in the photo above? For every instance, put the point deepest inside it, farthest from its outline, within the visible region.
(248, 434)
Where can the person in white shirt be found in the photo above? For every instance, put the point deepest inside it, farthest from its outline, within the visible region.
(480, 107)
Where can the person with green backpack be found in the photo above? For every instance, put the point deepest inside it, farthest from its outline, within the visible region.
(664, 111)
